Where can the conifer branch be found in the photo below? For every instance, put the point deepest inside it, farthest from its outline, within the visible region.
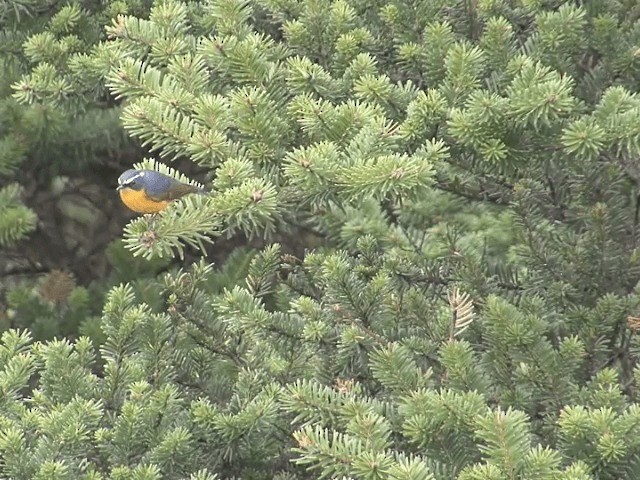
(462, 312)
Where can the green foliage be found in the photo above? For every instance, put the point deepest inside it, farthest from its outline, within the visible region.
(36, 137)
(16, 220)
(449, 197)
(53, 306)
(351, 384)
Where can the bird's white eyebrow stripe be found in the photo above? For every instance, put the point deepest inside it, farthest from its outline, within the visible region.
(129, 180)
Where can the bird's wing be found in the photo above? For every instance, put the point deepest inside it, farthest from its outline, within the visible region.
(176, 190)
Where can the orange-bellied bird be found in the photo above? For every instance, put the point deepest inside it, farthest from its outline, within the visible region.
(148, 191)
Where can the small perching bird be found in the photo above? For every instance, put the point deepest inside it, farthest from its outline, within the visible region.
(149, 191)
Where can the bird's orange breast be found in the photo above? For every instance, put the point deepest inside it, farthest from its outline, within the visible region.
(138, 201)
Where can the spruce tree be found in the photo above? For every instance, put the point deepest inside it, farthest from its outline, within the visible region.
(463, 175)
(56, 135)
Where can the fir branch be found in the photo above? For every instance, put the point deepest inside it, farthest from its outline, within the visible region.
(462, 312)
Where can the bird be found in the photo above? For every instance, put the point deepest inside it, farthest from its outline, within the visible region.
(148, 191)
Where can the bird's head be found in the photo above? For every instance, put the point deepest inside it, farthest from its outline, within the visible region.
(134, 179)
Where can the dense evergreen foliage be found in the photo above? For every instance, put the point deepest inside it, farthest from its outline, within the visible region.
(447, 195)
